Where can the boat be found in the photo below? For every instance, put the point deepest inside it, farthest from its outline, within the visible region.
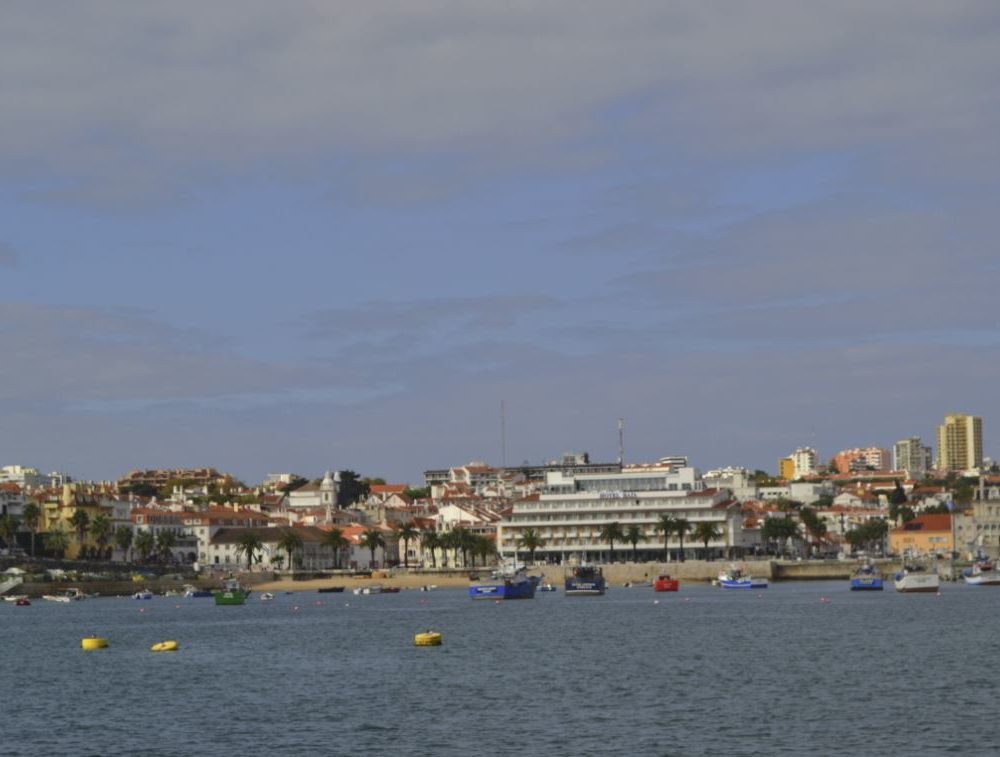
(866, 578)
(165, 646)
(374, 589)
(144, 594)
(232, 593)
(266, 596)
(666, 583)
(22, 602)
(982, 574)
(70, 595)
(585, 580)
(192, 592)
(505, 584)
(913, 579)
(14, 597)
(428, 587)
(331, 590)
(734, 578)
(547, 587)
(390, 590)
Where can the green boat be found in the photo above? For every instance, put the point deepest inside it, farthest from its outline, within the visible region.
(232, 593)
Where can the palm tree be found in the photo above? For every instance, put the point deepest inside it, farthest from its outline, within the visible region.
(249, 544)
(165, 542)
(372, 539)
(57, 541)
(101, 529)
(430, 540)
(145, 543)
(80, 521)
(290, 540)
(666, 525)
(633, 535)
(681, 527)
(815, 526)
(335, 540)
(31, 516)
(8, 528)
(612, 532)
(461, 541)
(483, 548)
(705, 531)
(530, 540)
(406, 533)
(123, 539)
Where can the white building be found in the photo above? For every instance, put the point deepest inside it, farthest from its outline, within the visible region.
(804, 461)
(912, 456)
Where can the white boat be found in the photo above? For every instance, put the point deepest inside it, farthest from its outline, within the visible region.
(70, 595)
(266, 596)
(376, 589)
(14, 597)
(143, 594)
(982, 574)
(735, 579)
(911, 579)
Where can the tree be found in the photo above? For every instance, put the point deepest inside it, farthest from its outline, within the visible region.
(705, 531)
(484, 548)
(461, 541)
(145, 544)
(335, 540)
(815, 526)
(297, 482)
(666, 525)
(612, 532)
(248, 545)
(290, 541)
(371, 540)
(165, 543)
(31, 516)
(633, 535)
(352, 488)
(780, 530)
(123, 539)
(80, 521)
(421, 493)
(406, 533)
(430, 541)
(101, 529)
(8, 528)
(682, 526)
(57, 541)
(530, 540)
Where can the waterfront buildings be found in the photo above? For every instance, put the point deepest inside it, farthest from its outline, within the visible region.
(924, 535)
(960, 443)
(912, 456)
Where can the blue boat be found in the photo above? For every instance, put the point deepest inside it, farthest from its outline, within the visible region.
(506, 585)
(734, 578)
(866, 578)
(585, 580)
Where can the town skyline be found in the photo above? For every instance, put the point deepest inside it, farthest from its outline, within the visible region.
(316, 235)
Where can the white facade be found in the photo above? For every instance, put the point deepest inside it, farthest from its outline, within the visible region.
(804, 460)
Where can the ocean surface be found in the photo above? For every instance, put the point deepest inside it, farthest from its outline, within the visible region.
(798, 668)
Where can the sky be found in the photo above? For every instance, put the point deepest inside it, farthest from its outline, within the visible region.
(309, 236)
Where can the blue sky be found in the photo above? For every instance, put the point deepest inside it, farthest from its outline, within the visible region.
(308, 236)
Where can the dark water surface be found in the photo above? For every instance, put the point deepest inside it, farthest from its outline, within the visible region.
(704, 671)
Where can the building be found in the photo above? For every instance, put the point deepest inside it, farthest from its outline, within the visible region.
(861, 459)
(912, 456)
(569, 513)
(786, 468)
(803, 462)
(924, 535)
(960, 443)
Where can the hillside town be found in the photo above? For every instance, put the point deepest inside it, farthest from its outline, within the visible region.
(907, 500)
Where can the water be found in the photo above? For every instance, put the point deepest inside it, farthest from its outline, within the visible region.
(703, 671)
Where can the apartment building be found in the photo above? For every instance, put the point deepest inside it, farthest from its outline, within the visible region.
(960, 443)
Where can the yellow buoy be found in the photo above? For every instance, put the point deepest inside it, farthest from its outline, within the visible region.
(428, 639)
(164, 646)
(90, 643)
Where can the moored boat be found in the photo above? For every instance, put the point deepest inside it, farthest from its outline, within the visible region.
(232, 593)
(866, 578)
(144, 594)
(912, 579)
(70, 595)
(331, 590)
(507, 584)
(192, 592)
(734, 578)
(585, 580)
(666, 583)
(982, 574)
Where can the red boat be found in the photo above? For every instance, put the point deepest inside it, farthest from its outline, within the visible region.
(22, 602)
(666, 583)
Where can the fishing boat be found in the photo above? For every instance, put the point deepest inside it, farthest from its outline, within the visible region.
(192, 592)
(982, 574)
(585, 580)
(734, 578)
(232, 593)
(866, 578)
(666, 583)
(506, 584)
(913, 579)
(144, 594)
(70, 595)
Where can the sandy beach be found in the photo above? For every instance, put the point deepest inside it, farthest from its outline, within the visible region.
(401, 580)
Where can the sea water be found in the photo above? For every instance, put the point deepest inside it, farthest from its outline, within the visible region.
(807, 668)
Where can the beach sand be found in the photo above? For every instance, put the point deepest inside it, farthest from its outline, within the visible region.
(402, 580)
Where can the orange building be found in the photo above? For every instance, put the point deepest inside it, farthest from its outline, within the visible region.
(925, 534)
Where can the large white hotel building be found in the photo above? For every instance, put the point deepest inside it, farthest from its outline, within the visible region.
(572, 507)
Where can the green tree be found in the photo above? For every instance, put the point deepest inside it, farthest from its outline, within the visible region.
(248, 545)
(484, 548)
(814, 525)
(145, 544)
(415, 493)
(406, 532)
(462, 540)
(371, 540)
(666, 525)
(706, 531)
(290, 540)
(165, 543)
(779, 530)
(352, 488)
(530, 540)
(431, 541)
(297, 482)
(123, 540)
(81, 522)
(101, 530)
(32, 515)
(681, 527)
(57, 541)
(335, 540)
(612, 532)
(633, 535)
